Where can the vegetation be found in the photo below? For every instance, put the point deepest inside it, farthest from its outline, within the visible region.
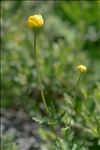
(68, 38)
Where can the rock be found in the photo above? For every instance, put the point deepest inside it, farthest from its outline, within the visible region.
(21, 127)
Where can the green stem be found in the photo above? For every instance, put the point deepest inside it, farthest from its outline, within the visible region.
(74, 98)
(40, 84)
(38, 74)
(57, 138)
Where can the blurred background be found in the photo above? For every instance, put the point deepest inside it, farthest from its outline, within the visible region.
(70, 36)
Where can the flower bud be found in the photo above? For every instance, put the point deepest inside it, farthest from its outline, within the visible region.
(35, 21)
(81, 68)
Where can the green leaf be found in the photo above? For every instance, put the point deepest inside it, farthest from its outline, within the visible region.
(64, 129)
(61, 116)
(38, 119)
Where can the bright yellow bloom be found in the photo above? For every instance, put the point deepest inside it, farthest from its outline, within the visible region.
(81, 68)
(35, 21)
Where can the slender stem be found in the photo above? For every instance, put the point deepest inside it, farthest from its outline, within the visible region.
(77, 83)
(38, 74)
(57, 138)
(74, 98)
(42, 93)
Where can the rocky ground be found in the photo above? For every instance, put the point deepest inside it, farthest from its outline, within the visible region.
(17, 124)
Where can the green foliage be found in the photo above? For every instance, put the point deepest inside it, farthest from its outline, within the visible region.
(69, 37)
(8, 143)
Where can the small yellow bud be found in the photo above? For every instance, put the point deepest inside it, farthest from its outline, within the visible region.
(35, 21)
(81, 68)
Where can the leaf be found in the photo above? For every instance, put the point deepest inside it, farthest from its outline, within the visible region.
(61, 116)
(38, 119)
(64, 129)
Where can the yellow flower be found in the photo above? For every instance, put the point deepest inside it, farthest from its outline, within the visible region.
(81, 68)
(35, 21)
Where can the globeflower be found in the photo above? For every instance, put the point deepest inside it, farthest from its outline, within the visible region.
(81, 68)
(35, 21)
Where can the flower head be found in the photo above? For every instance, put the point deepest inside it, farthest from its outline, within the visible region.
(81, 68)
(35, 21)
